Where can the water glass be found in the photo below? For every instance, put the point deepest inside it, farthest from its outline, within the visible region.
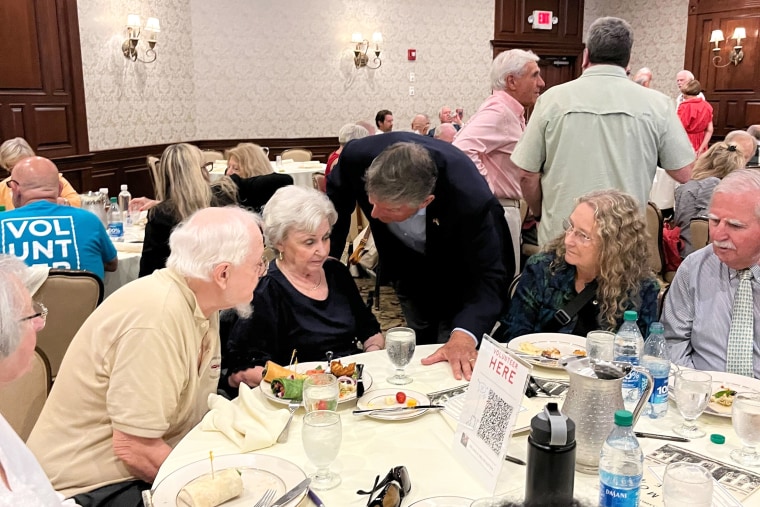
(321, 392)
(687, 485)
(600, 345)
(745, 417)
(322, 434)
(278, 161)
(400, 343)
(693, 389)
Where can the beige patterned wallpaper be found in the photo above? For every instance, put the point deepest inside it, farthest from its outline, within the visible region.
(258, 68)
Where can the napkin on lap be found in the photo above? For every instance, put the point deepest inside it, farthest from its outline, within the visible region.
(249, 421)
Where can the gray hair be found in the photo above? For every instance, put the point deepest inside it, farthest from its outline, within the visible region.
(295, 208)
(14, 276)
(689, 74)
(351, 131)
(754, 131)
(403, 173)
(610, 41)
(13, 150)
(741, 181)
(444, 126)
(196, 248)
(510, 63)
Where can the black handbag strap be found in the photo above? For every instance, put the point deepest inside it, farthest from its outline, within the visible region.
(564, 315)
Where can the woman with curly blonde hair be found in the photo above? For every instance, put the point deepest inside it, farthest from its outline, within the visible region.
(605, 241)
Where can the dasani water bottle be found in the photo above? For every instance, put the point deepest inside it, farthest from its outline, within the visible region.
(115, 222)
(621, 465)
(656, 359)
(629, 345)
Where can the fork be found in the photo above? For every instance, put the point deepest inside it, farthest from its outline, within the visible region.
(266, 498)
(293, 406)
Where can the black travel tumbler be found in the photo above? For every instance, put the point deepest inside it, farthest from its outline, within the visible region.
(550, 474)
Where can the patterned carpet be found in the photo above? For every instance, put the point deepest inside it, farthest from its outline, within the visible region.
(389, 315)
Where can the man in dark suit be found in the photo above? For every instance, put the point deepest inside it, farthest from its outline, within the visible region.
(440, 234)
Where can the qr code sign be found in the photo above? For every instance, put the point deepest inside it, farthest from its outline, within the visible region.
(493, 422)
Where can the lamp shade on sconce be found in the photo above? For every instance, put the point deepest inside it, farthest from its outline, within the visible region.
(152, 25)
(356, 37)
(717, 36)
(377, 37)
(739, 33)
(133, 21)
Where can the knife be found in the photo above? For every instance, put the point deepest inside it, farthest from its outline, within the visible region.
(642, 434)
(395, 409)
(359, 381)
(293, 493)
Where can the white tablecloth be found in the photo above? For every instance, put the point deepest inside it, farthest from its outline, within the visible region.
(300, 171)
(371, 447)
(127, 271)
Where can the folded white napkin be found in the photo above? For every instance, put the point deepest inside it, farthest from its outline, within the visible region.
(249, 421)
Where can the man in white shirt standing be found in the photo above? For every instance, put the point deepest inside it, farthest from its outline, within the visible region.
(493, 131)
(682, 79)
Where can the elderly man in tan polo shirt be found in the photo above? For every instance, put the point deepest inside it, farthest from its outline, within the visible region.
(137, 375)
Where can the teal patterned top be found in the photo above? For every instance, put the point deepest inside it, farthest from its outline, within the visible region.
(542, 291)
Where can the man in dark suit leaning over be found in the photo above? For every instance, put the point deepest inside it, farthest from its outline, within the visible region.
(440, 234)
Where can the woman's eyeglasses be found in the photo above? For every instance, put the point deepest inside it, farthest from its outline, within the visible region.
(40, 312)
(579, 235)
(208, 167)
(395, 486)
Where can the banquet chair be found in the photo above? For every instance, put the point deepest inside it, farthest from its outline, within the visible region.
(296, 155)
(654, 242)
(70, 297)
(319, 181)
(152, 163)
(21, 401)
(700, 233)
(212, 156)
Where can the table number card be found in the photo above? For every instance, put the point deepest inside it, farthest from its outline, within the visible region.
(490, 410)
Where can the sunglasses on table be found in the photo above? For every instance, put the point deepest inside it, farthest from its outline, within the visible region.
(393, 488)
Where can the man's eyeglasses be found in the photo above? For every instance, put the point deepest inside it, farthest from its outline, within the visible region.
(208, 167)
(8, 183)
(579, 235)
(395, 486)
(40, 312)
(263, 266)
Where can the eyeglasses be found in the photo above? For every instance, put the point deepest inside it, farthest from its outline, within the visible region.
(579, 235)
(395, 486)
(40, 312)
(208, 166)
(8, 183)
(263, 266)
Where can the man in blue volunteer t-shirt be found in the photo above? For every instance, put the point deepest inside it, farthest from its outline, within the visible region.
(40, 231)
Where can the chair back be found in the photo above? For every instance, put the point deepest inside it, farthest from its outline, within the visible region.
(319, 181)
(21, 401)
(297, 155)
(212, 156)
(700, 233)
(654, 228)
(152, 163)
(70, 297)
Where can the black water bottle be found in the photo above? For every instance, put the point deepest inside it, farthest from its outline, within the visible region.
(550, 474)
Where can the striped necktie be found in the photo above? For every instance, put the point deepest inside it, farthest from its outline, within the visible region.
(740, 353)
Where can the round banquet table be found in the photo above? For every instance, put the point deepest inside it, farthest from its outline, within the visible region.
(372, 447)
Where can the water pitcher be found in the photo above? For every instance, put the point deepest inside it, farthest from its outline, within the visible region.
(594, 395)
(96, 203)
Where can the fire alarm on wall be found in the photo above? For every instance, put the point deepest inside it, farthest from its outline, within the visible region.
(411, 55)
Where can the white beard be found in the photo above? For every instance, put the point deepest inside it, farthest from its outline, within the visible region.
(244, 310)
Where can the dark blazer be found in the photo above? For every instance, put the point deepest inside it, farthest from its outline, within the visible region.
(468, 260)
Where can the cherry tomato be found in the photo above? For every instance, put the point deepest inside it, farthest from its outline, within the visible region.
(400, 397)
(322, 405)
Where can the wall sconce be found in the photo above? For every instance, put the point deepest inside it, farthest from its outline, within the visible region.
(735, 56)
(362, 46)
(134, 29)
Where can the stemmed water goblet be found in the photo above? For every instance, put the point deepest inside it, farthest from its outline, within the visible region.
(322, 434)
(400, 343)
(745, 417)
(321, 392)
(693, 389)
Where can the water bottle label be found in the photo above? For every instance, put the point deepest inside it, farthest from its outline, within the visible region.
(660, 391)
(633, 379)
(610, 496)
(116, 229)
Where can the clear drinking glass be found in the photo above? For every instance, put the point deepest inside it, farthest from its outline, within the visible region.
(693, 389)
(322, 434)
(600, 345)
(321, 392)
(687, 485)
(400, 343)
(745, 417)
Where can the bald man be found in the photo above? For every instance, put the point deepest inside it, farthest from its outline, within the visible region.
(745, 143)
(446, 132)
(421, 124)
(644, 77)
(40, 231)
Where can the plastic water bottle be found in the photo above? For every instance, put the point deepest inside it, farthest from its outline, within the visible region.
(621, 465)
(656, 359)
(115, 222)
(124, 198)
(629, 345)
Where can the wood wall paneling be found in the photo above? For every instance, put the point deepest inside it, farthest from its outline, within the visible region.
(734, 90)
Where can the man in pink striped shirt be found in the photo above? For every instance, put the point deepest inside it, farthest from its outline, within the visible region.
(492, 133)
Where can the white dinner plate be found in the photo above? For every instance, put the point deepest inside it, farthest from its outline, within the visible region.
(565, 343)
(386, 398)
(266, 387)
(259, 473)
(443, 501)
(723, 380)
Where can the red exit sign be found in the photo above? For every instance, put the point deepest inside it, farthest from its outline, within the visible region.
(542, 20)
